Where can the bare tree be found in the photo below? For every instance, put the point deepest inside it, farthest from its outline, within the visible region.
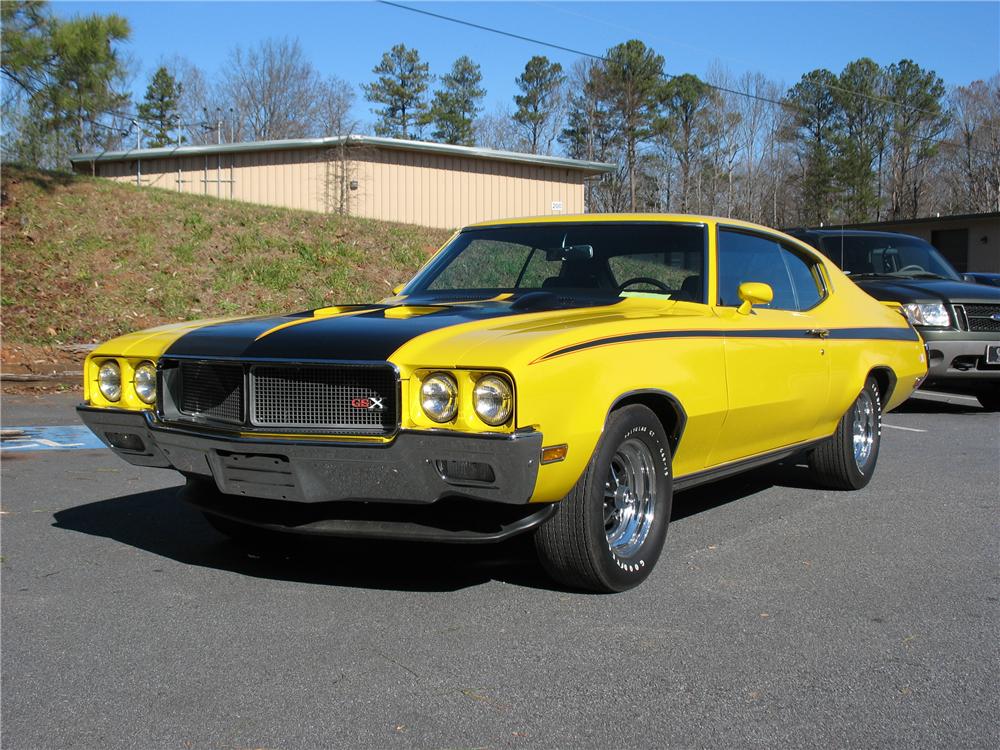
(272, 90)
(973, 159)
(498, 130)
(334, 100)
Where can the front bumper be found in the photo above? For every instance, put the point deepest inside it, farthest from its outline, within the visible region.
(409, 470)
(959, 357)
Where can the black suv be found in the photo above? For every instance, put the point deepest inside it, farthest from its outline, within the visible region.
(959, 321)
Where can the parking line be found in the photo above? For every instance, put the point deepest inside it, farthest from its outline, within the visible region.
(938, 394)
(52, 438)
(897, 427)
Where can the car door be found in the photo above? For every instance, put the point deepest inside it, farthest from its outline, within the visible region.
(777, 367)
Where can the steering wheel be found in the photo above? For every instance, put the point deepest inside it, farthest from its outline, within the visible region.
(911, 267)
(645, 280)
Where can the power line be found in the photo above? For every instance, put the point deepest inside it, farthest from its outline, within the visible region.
(768, 100)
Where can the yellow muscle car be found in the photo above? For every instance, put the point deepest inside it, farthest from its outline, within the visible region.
(555, 376)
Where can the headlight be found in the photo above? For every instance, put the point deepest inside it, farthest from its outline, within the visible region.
(493, 400)
(109, 380)
(145, 382)
(439, 397)
(934, 314)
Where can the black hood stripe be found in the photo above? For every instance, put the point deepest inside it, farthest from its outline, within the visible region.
(369, 335)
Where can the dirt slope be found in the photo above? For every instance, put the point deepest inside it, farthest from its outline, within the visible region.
(85, 259)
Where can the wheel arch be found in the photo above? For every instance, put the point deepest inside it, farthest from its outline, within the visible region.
(885, 377)
(665, 405)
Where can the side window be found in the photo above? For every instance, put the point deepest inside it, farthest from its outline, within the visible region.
(748, 257)
(807, 281)
(796, 281)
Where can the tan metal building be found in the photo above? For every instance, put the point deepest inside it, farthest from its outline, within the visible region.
(413, 182)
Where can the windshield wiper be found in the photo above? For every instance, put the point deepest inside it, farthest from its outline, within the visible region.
(869, 275)
(923, 275)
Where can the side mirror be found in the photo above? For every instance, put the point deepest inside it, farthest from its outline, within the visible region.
(970, 278)
(397, 289)
(754, 293)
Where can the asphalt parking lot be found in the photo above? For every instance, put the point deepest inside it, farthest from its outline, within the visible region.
(781, 616)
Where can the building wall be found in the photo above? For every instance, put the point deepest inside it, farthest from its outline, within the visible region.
(411, 187)
(983, 252)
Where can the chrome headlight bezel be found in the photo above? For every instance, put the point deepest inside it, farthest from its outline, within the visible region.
(932, 314)
(109, 380)
(493, 400)
(439, 397)
(144, 382)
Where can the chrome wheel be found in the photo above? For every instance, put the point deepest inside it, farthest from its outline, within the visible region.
(629, 497)
(864, 428)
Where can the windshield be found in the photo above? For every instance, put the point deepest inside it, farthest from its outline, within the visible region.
(877, 255)
(596, 259)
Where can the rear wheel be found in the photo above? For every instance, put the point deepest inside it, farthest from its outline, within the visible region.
(609, 531)
(846, 460)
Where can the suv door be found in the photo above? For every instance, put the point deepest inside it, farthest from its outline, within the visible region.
(777, 368)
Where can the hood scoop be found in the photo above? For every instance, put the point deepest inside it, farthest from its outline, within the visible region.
(402, 312)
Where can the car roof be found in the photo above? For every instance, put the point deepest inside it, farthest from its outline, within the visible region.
(847, 233)
(620, 218)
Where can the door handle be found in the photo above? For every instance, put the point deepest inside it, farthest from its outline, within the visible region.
(820, 333)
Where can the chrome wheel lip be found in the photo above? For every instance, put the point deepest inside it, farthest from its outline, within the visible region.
(864, 428)
(629, 497)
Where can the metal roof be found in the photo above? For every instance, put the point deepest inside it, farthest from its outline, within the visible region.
(398, 144)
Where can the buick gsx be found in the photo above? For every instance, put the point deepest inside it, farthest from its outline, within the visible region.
(560, 377)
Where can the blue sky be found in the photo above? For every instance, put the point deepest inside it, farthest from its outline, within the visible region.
(960, 40)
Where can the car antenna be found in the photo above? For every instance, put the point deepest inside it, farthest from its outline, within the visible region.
(842, 246)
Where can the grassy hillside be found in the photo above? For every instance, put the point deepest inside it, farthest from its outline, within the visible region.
(86, 259)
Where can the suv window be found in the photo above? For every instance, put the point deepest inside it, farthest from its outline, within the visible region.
(796, 281)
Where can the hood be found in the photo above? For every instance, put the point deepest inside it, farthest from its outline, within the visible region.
(929, 290)
(359, 332)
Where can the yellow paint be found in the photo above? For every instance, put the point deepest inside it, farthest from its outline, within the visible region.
(411, 311)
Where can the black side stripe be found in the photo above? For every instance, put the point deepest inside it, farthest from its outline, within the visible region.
(857, 334)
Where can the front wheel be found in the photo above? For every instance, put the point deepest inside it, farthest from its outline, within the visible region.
(610, 529)
(846, 460)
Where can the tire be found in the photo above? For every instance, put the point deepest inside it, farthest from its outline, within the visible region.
(846, 460)
(989, 398)
(606, 539)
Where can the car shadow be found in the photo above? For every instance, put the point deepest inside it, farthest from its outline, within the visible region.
(158, 522)
(930, 406)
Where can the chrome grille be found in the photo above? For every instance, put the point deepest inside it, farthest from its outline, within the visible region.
(213, 391)
(351, 398)
(979, 317)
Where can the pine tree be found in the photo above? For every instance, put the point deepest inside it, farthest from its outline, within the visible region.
(456, 105)
(400, 87)
(159, 108)
(631, 76)
(539, 84)
(814, 114)
(64, 75)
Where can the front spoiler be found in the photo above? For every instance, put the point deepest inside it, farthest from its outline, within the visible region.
(403, 471)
